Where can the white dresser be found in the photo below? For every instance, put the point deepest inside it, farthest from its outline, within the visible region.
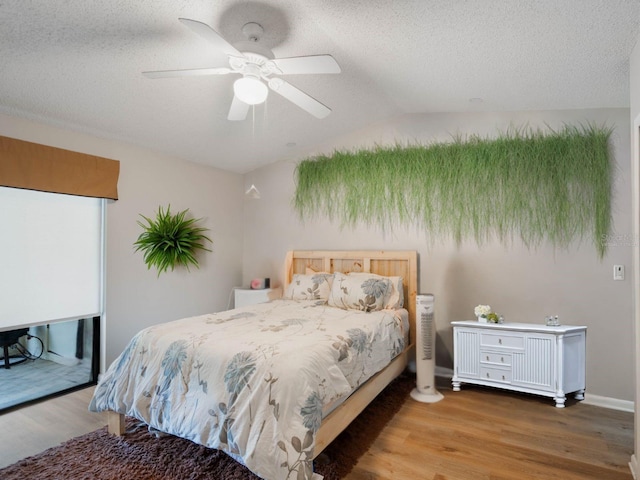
(523, 357)
(246, 296)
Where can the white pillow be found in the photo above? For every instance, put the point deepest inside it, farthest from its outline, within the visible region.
(359, 292)
(309, 287)
(395, 298)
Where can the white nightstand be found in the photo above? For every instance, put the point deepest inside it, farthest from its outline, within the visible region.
(524, 357)
(246, 296)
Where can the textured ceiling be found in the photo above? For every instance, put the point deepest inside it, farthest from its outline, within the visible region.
(77, 64)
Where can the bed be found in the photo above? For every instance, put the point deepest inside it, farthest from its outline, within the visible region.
(272, 418)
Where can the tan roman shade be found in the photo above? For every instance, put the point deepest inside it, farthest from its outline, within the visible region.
(49, 169)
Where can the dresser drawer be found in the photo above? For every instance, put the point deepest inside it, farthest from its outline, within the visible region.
(495, 374)
(496, 358)
(500, 340)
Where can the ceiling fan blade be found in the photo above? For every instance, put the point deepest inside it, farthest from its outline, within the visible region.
(238, 110)
(208, 33)
(308, 64)
(298, 97)
(187, 73)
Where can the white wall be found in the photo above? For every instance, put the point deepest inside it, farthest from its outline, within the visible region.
(523, 285)
(135, 297)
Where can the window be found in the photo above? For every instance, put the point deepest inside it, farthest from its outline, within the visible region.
(50, 257)
(51, 267)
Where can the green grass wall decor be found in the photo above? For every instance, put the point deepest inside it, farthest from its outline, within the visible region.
(537, 186)
(170, 240)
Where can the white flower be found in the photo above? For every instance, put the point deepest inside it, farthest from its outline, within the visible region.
(482, 310)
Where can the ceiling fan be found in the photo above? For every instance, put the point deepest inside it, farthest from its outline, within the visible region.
(259, 69)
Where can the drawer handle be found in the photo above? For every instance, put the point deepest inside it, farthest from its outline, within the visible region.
(502, 359)
(487, 358)
(488, 375)
(502, 377)
(500, 341)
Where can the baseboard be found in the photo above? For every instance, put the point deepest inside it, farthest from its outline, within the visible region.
(54, 357)
(608, 402)
(589, 398)
(444, 372)
(633, 466)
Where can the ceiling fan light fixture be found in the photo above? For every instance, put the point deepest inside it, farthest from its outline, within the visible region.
(257, 63)
(250, 90)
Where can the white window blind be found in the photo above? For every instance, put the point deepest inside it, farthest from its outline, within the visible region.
(50, 257)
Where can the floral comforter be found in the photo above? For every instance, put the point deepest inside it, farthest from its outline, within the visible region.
(254, 382)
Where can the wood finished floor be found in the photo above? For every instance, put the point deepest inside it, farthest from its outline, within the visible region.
(32, 429)
(486, 434)
(475, 434)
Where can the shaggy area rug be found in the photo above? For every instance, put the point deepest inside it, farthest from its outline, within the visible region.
(139, 455)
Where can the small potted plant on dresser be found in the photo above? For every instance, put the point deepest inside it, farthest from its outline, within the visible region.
(484, 314)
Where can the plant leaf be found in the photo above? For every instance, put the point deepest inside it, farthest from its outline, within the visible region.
(552, 186)
(170, 240)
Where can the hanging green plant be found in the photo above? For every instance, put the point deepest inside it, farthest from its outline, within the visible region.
(170, 240)
(553, 187)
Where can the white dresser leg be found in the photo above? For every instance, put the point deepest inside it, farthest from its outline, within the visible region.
(579, 395)
(456, 386)
(560, 401)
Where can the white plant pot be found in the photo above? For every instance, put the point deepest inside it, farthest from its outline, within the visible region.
(482, 319)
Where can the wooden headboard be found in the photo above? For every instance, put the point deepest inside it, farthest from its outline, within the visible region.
(388, 263)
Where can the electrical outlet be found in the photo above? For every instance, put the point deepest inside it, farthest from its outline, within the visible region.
(618, 272)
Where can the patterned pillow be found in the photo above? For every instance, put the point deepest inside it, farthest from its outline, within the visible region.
(309, 287)
(395, 298)
(359, 292)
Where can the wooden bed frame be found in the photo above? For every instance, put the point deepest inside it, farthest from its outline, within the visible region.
(387, 263)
